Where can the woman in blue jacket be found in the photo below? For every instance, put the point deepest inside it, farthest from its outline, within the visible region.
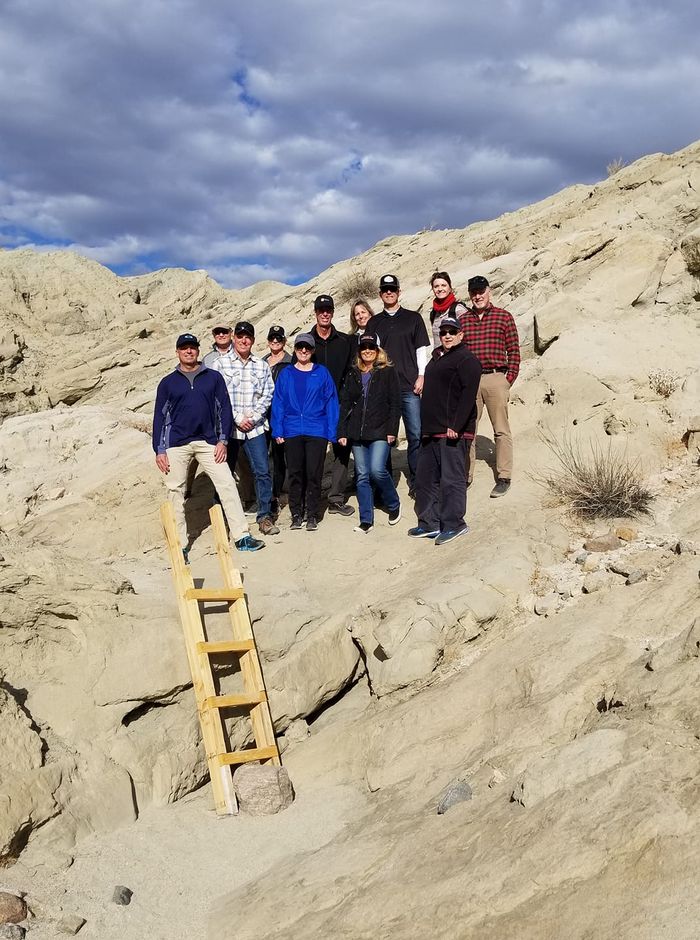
(304, 418)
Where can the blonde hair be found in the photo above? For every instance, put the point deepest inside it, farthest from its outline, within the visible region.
(381, 362)
(360, 302)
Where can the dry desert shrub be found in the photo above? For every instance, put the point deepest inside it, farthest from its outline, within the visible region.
(690, 249)
(664, 382)
(356, 284)
(595, 482)
(615, 166)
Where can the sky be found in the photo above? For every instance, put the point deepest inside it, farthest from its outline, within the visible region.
(268, 140)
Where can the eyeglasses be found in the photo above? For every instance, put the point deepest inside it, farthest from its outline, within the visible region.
(449, 331)
(304, 347)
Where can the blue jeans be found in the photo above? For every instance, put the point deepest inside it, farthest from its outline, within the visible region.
(410, 412)
(370, 470)
(256, 452)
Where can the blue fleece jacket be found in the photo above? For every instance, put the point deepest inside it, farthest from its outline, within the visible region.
(316, 415)
(186, 411)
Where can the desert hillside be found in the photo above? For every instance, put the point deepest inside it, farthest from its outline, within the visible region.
(560, 684)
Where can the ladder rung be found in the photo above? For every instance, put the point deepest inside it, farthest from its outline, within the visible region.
(228, 646)
(242, 757)
(232, 701)
(214, 594)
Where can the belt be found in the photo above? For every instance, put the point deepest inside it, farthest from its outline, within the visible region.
(503, 369)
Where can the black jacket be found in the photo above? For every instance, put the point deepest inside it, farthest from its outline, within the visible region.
(334, 353)
(449, 392)
(375, 417)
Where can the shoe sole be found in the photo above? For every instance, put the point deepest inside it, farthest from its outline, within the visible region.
(363, 531)
(396, 520)
(424, 535)
(452, 537)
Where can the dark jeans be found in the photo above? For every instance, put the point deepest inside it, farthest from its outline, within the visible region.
(410, 412)
(441, 484)
(305, 456)
(370, 470)
(339, 474)
(256, 451)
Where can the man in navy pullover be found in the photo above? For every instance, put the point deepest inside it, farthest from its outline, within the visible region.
(193, 419)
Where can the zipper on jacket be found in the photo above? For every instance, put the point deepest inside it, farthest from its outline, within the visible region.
(364, 404)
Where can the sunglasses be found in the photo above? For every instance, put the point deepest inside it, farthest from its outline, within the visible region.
(449, 331)
(304, 346)
(221, 332)
(389, 290)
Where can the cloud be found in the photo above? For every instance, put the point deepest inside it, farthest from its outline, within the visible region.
(272, 139)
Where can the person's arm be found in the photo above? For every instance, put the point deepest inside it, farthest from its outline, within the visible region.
(345, 406)
(469, 376)
(161, 408)
(277, 410)
(423, 349)
(224, 415)
(394, 399)
(513, 350)
(332, 407)
(262, 405)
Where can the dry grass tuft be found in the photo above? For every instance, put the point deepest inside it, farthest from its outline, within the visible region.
(357, 284)
(595, 482)
(664, 382)
(615, 166)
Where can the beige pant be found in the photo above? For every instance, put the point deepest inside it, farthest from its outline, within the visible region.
(220, 476)
(494, 393)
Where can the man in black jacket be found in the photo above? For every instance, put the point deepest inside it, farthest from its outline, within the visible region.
(448, 424)
(334, 351)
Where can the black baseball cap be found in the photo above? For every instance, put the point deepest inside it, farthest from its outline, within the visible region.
(324, 302)
(368, 339)
(243, 328)
(276, 332)
(388, 282)
(186, 339)
(477, 284)
(450, 323)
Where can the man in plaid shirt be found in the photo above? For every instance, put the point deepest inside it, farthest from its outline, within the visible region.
(250, 387)
(491, 334)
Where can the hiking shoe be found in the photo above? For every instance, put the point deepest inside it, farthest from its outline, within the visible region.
(420, 533)
(500, 489)
(311, 524)
(450, 534)
(296, 522)
(186, 555)
(249, 544)
(363, 527)
(394, 515)
(268, 527)
(342, 509)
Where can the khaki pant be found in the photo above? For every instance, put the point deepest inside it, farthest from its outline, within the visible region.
(494, 393)
(220, 476)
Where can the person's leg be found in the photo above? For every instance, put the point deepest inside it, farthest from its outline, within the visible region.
(256, 451)
(410, 412)
(380, 476)
(428, 485)
(315, 454)
(361, 453)
(497, 395)
(191, 474)
(294, 451)
(220, 476)
(176, 481)
(472, 449)
(339, 474)
(244, 475)
(279, 469)
(453, 484)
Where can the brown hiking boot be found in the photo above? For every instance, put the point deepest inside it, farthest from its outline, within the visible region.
(267, 526)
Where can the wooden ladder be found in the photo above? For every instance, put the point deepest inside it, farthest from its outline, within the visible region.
(199, 650)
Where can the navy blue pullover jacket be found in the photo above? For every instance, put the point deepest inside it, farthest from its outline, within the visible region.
(191, 411)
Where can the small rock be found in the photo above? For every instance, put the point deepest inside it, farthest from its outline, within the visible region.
(12, 908)
(497, 777)
(626, 533)
(603, 543)
(622, 566)
(458, 791)
(72, 923)
(297, 731)
(635, 575)
(12, 932)
(694, 423)
(590, 564)
(685, 547)
(580, 556)
(263, 789)
(596, 581)
(546, 605)
(122, 895)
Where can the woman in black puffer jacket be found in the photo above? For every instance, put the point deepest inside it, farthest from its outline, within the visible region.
(370, 408)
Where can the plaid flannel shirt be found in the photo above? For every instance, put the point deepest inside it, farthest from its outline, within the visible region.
(493, 338)
(250, 388)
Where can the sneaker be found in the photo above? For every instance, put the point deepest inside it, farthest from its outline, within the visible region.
(394, 515)
(249, 544)
(363, 527)
(500, 489)
(311, 524)
(450, 534)
(296, 522)
(342, 509)
(420, 533)
(268, 527)
(186, 555)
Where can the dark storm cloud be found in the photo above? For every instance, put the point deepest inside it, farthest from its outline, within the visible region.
(271, 139)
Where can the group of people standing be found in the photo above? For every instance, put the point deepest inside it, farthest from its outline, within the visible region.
(349, 389)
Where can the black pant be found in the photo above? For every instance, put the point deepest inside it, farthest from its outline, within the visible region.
(305, 456)
(339, 473)
(441, 483)
(279, 465)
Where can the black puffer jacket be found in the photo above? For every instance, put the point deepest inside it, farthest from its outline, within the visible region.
(375, 417)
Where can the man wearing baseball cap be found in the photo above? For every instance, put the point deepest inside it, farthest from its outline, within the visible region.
(403, 336)
(192, 420)
(491, 334)
(223, 343)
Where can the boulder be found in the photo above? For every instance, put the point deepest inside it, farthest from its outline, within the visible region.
(263, 789)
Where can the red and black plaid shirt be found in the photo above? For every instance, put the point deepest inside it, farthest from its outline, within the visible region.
(493, 339)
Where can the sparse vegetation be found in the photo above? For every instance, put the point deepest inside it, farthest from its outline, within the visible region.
(356, 284)
(664, 382)
(594, 481)
(615, 166)
(690, 249)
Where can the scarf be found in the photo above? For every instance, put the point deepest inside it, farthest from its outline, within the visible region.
(440, 306)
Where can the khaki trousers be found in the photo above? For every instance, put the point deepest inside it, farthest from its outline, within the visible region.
(494, 393)
(220, 476)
